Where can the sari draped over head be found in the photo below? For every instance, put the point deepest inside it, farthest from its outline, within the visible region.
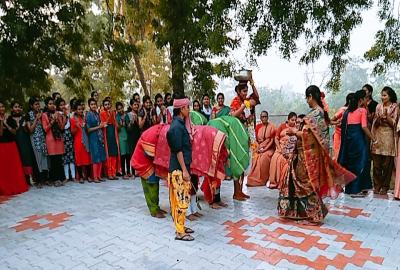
(145, 150)
(325, 174)
(259, 173)
(198, 118)
(237, 143)
(209, 155)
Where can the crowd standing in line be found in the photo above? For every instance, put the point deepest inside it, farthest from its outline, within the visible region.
(63, 142)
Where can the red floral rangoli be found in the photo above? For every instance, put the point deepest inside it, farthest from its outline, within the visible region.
(308, 236)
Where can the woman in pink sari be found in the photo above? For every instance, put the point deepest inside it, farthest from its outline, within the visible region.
(284, 147)
(265, 133)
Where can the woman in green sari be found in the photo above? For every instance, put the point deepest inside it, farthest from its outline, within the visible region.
(220, 109)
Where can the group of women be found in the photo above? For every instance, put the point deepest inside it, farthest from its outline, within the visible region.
(291, 156)
(294, 158)
(364, 135)
(52, 145)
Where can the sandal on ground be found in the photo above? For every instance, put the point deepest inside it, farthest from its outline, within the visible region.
(188, 230)
(81, 181)
(191, 217)
(185, 237)
(162, 211)
(358, 195)
(383, 192)
(197, 214)
(39, 185)
(158, 215)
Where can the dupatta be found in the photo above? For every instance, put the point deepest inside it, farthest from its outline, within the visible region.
(325, 174)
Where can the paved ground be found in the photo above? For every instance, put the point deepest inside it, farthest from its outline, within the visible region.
(107, 226)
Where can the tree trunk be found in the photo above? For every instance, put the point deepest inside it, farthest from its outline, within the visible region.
(140, 72)
(177, 69)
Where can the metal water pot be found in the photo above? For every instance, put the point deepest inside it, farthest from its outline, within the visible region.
(243, 75)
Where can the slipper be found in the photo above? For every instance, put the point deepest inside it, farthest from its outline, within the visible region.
(197, 214)
(162, 211)
(188, 230)
(186, 237)
(191, 217)
(358, 195)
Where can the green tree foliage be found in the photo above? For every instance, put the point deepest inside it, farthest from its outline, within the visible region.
(196, 32)
(324, 26)
(35, 35)
(386, 50)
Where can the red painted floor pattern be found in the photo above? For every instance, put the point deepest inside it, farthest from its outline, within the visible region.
(347, 211)
(4, 199)
(273, 256)
(38, 222)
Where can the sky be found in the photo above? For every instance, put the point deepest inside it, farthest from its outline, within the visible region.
(276, 73)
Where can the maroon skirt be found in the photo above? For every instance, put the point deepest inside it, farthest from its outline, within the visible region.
(12, 178)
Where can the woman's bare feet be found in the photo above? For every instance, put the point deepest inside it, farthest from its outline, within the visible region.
(222, 204)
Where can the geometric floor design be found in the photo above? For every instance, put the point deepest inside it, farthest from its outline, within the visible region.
(38, 222)
(299, 238)
(108, 226)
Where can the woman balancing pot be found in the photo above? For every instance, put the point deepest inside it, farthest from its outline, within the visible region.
(243, 107)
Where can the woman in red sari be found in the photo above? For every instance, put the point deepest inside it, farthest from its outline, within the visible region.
(12, 178)
(285, 145)
(265, 133)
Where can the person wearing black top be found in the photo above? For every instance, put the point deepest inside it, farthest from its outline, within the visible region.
(371, 103)
(179, 141)
(18, 122)
(12, 179)
(145, 121)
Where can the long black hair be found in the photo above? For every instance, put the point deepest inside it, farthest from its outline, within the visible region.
(391, 93)
(353, 104)
(348, 98)
(46, 103)
(315, 93)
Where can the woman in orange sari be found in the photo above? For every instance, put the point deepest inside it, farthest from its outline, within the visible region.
(265, 133)
(284, 147)
(336, 120)
(312, 173)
